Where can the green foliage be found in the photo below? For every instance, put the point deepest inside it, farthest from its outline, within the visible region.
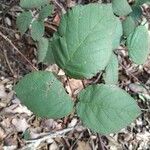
(45, 12)
(136, 13)
(23, 21)
(26, 135)
(28, 4)
(128, 26)
(42, 49)
(49, 59)
(111, 71)
(83, 46)
(37, 30)
(43, 94)
(106, 109)
(141, 2)
(45, 54)
(121, 7)
(117, 34)
(138, 45)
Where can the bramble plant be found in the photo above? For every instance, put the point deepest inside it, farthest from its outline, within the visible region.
(84, 45)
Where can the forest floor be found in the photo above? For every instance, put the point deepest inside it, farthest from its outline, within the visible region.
(18, 124)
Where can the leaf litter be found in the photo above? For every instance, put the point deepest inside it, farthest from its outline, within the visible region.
(16, 119)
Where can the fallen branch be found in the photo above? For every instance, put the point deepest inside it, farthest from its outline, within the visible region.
(36, 142)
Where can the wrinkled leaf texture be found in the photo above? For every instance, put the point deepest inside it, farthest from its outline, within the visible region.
(83, 44)
(43, 94)
(106, 109)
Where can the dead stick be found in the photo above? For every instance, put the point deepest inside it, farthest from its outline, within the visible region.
(7, 61)
(9, 41)
(100, 143)
(36, 142)
(127, 72)
(60, 6)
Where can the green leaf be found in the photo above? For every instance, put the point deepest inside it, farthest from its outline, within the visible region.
(128, 26)
(136, 14)
(117, 34)
(45, 12)
(49, 59)
(106, 109)
(23, 21)
(141, 2)
(33, 3)
(43, 94)
(121, 7)
(37, 30)
(111, 71)
(26, 135)
(138, 45)
(82, 47)
(45, 53)
(42, 49)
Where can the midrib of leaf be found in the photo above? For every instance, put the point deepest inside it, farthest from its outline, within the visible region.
(82, 42)
(113, 108)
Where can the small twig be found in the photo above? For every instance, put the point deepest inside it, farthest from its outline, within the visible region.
(5, 28)
(50, 26)
(60, 6)
(52, 135)
(126, 68)
(12, 4)
(8, 64)
(36, 142)
(80, 135)
(100, 143)
(9, 41)
(98, 78)
(129, 72)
